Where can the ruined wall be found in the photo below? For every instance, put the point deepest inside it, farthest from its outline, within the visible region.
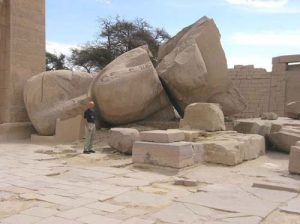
(289, 67)
(22, 53)
(264, 91)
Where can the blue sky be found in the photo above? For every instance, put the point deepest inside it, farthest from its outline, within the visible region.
(253, 31)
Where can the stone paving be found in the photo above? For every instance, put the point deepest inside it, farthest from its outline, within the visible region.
(58, 185)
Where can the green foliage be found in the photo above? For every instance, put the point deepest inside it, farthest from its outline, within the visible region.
(55, 62)
(91, 58)
(116, 37)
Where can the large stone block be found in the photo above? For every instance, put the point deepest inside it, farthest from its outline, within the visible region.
(129, 89)
(70, 130)
(188, 69)
(281, 133)
(203, 116)
(55, 94)
(231, 148)
(16, 131)
(191, 135)
(284, 139)
(174, 155)
(292, 110)
(253, 127)
(294, 162)
(66, 131)
(223, 152)
(162, 136)
(123, 139)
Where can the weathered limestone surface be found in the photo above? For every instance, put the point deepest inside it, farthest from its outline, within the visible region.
(48, 187)
(162, 136)
(22, 53)
(56, 94)
(279, 184)
(223, 147)
(285, 138)
(293, 110)
(230, 148)
(66, 131)
(128, 89)
(203, 116)
(269, 116)
(12, 131)
(294, 164)
(174, 155)
(268, 91)
(293, 206)
(193, 68)
(123, 139)
(227, 197)
(282, 133)
(263, 91)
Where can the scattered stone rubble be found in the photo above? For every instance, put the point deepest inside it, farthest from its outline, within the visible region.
(281, 133)
(182, 148)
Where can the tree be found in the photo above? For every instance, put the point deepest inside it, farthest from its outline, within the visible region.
(90, 58)
(120, 36)
(55, 62)
(116, 37)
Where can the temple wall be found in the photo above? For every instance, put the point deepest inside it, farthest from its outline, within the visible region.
(268, 91)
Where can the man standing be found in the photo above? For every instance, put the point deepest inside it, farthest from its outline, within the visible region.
(90, 128)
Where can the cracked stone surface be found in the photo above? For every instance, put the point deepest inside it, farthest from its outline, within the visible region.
(57, 184)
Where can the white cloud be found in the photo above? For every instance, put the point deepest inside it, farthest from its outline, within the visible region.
(267, 4)
(276, 39)
(59, 48)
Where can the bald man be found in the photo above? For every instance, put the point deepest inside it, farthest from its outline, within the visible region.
(90, 128)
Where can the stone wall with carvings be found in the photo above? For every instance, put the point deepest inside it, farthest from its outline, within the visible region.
(264, 91)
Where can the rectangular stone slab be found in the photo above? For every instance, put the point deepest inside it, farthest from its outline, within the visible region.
(289, 187)
(293, 206)
(294, 163)
(162, 136)
(174, 155)
(231, 198)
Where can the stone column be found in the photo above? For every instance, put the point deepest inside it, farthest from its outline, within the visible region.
(22, 53)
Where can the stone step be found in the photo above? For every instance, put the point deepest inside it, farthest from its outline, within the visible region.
(162, 136)
(175, 155)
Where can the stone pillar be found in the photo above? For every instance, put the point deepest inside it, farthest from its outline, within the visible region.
(22, 53)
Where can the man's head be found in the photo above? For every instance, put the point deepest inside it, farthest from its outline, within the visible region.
(91, 105)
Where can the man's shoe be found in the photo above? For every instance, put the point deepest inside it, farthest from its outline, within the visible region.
(86, 152)
(91, 151)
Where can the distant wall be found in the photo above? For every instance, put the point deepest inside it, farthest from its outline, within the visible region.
(262, 90)
(268, 91)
